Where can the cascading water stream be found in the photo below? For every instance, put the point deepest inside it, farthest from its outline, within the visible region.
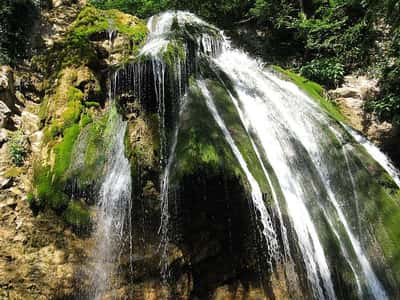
(280, 114)
(312, 142)
(114, 211)
(246, 123)
(113, 228)
(267, 124)
(256, 194)
(165, 188)
(377, 154)
(159, 26)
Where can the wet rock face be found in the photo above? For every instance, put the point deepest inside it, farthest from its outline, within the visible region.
(215, 230)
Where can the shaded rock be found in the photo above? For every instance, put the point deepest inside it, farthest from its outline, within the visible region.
(5, 182)
(7, 88)
(8, 101)
(87, 82)
(9, 202)
(3, 136)
(5, 116)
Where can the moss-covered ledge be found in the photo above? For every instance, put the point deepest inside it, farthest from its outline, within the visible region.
(313, 90)
(74, 113)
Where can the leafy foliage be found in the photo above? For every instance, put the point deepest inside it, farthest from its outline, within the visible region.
(329, 72)
(387, 104)
(17, 148)
(222, 12)
(140, 8)
(17, 18)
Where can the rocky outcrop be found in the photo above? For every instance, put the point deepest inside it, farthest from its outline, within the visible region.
(351, 98)
(9, 103)
(38, 254)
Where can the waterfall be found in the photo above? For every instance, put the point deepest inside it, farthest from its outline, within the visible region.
(114, 209)
(282, 118)
(165, 188)
(256, 194)
(306, 159)
(377, 154)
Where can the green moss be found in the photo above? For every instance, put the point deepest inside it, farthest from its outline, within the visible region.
(50, 182)
(30, 198)
(89, 152)
(97, 144)
(229, 114)
(71, 114)
(43, 108)
(76, 48)
(91, 21)
(13, 172)
(85, 120)
(74, 94)
(48, 190)
(77, 215)
(174, 51)
(200, 146)
(315, 91)
(63, 150)
(90, 104)
(380, 200)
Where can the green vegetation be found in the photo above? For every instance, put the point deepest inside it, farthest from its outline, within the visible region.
(228, 112)
(220, 12)
(17, 148)
(315, 91)
(330, 72)
(63, 150)
(140, 8)
(200, 146)
(91, 21)
(387, 104)
(322, 39)
(174, 51)
(77, 215)
(76, 48)
(16, 39)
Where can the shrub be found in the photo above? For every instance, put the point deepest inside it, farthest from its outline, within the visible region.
(387, 104)
(16, 32)
(328, 72)
(17, 148)
(386, 107)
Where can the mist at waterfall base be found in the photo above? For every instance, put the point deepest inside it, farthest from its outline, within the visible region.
(312, 226)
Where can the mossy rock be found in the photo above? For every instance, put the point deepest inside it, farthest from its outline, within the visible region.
(79, 45)
(92, 21)
(97, 24)
(77, 215)
(13, 172)
(314, 91)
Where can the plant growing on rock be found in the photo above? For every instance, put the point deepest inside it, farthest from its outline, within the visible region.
(18, 148)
